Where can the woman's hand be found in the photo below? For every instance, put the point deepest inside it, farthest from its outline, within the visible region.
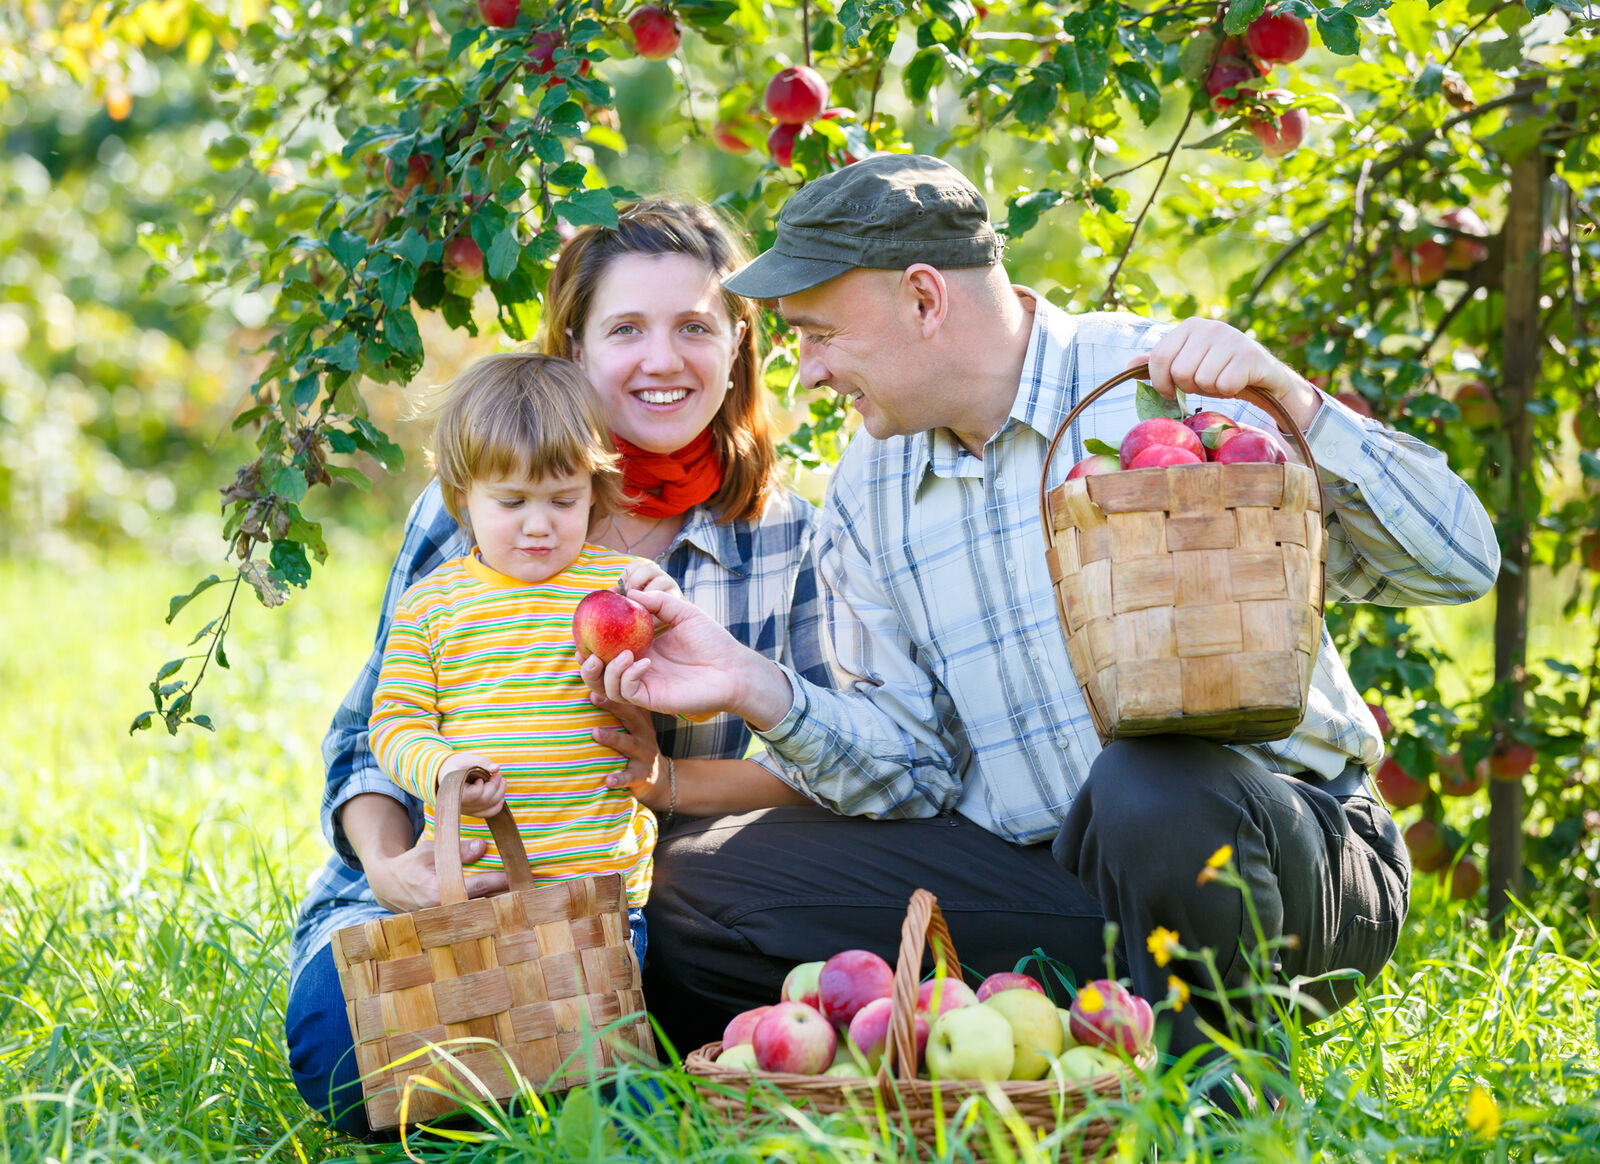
(646, 773)
(409, 881)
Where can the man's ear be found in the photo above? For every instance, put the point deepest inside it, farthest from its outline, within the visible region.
(928, 294)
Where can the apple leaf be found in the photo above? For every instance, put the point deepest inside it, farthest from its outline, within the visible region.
(1147, 402)
(1339, 31)
(1100, 448)
(1212, 437)
(1240, 14)
(182, 600)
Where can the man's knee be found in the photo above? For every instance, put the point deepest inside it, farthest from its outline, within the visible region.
(1140, 790)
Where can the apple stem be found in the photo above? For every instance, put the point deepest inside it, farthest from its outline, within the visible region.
(622, 587)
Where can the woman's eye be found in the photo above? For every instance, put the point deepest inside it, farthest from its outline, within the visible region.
(697, 328)
(624, 329)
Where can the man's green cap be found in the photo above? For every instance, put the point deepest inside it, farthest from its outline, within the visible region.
(883, 213)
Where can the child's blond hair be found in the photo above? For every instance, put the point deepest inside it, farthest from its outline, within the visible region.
(521, 413)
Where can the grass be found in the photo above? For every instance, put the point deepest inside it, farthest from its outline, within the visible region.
(147, 888)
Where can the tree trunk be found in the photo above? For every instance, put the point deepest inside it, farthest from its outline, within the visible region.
(1521, 347)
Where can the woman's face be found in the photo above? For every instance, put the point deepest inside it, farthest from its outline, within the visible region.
(658, 345)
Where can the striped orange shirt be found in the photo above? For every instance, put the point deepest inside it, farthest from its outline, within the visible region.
(480, 662)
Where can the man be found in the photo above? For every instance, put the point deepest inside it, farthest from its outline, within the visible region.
(959, 754)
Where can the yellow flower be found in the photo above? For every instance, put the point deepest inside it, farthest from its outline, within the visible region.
(1162, 944)
(1220, 858)
(1177, 991)
(1090, 1000)
(1483, 1114)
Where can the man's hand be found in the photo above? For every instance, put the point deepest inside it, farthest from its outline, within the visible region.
(1211, 358)
(694, 667)
(409, 880)
(481, 797)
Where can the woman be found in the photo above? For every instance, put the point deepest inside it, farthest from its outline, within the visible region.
(676, 363)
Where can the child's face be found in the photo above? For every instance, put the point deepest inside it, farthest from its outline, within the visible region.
(530, 530)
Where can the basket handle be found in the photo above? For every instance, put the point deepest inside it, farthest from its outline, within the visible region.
(923, 923)
(447, 841)
(1266, 401)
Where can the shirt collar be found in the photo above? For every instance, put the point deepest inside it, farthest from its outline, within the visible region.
(1040, 403)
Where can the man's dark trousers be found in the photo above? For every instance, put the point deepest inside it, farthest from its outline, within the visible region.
(738, 900)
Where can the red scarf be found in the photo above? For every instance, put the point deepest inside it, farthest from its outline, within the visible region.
(666, 484)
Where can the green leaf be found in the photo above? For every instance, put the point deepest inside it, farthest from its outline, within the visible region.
(1240, 14)
(202, 721)
(355, 476)
(1140, 88)
(182, 600)
(412, 246)
(1034, 102)
(394, 287)
(1025, 209)
(1147, 402)
(141, 721)
(289, 482)
(922, 73)
(570, 174)
(401, 330)
(504, 253)
(1502, 55)
(348, 248)
(1082, 58)
(289, 562)
(346, 353)
(1099, 448)
(170, 667)
(371, 438)
(589, 208)
(855, 15)
(1339, 31)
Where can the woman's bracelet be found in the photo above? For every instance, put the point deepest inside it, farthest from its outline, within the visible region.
(672, 795)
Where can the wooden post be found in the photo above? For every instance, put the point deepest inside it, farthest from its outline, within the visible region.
(1522, 345)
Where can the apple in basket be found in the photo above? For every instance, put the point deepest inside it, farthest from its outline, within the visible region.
(740, 1058)
(1159, 431)
(1247, 443)
(608, 622)
(869, 1032)
(1093, 464)
(1210, 427)
(849, 980)
(1107, 1014)
(795, 1039)
(742, 1026)
(1007, 980)
(971, 1042)
(800, 984)
(1035, 1030)
(937, 995)
(1081, 1064)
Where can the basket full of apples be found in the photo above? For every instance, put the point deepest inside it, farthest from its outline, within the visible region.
(1189, 566)
(849, 1032)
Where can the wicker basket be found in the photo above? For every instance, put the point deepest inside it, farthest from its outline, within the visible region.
(924, 1108)
(525, 978)
(1191, 596)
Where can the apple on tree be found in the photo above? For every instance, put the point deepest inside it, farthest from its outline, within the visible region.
(1479, 408)
(499, 13)
(656, 33)
(1465, 879)
(780, 143)
(1420, 265)
(1511, 760)
(1464, 251)
(1227, 75)
(1282, 134)
(606, 623)
(796, 95)
(464, 256)
(1399, 787)
(1355, 402)
(542, 52)
(1428, 845)
(1454, 779)
(1277, 37)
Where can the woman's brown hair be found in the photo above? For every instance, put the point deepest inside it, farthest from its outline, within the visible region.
(742, 427)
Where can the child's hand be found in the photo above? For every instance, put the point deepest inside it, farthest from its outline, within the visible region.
(480, 796)
(644, 575)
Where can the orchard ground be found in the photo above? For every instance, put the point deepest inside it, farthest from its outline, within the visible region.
(147, 890)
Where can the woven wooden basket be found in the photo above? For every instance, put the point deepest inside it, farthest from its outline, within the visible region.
(1191, 596)
(527, 980)
(925, 1108)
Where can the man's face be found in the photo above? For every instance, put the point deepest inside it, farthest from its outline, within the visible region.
(854, 340)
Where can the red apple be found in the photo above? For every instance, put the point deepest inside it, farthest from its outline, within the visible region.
(499, 13)
(793, 1038)
(1106, 1014)
(542, 52)
(742, 1026)
(465, 256)
(1454, 779)
(952, 993)
(869, 1031)
(1465, 879)
(1006, 980)
(1355, 402)
(728, 137)
(1511, 760)
(1420, 265)
(780, 143)
(1210, 426)
(607, 622)
(796, 95)
(1228, 73)
(1382, 718)
(1589, 547)
(1159, 430)
(1249, 445)
(1399, 787)
(1425, 840)
(1479, 409)
(419, 172)
(1277, 37)
(655, 32)
(800, 984)
(1092, 465)
(1284, 136)
(1464, 252)
(1161, 456)
(849, 980)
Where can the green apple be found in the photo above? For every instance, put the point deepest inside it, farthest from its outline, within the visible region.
(846, 1069)
(1067, 1039)
(971, 1042)
(740, 1058)
(1085, 1063)
(1035, 1030)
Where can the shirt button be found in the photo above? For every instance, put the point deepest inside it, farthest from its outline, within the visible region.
(1011, 565)
(1000, 484)
(1064, 742)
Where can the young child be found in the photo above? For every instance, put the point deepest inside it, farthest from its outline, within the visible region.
(479, 670)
